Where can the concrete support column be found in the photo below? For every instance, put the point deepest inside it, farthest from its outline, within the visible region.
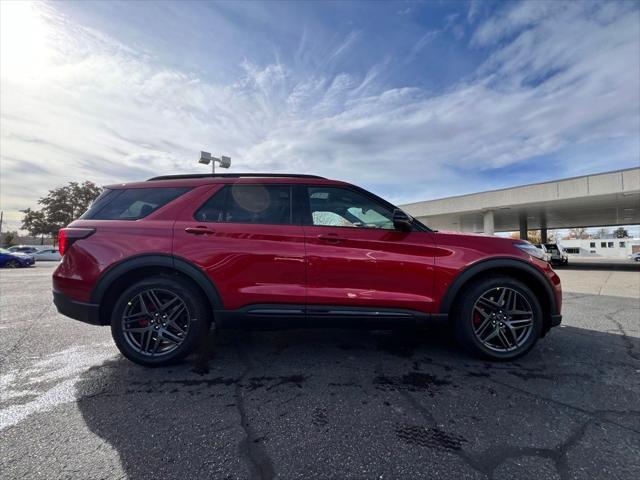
(488, 223)
(524, 227)
(543, 229)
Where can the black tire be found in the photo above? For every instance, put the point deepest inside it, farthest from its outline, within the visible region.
(463, 317)
(13, 264)
(197, 309)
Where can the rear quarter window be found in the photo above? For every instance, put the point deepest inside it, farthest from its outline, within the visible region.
(132, 203)
(258, 204)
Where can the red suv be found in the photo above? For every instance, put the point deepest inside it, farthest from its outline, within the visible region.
(163, 260)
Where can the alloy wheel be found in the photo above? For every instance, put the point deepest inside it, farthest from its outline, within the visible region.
(155, 322)
(502, 319)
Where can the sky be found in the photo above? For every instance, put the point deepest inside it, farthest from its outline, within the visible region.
(413, 100)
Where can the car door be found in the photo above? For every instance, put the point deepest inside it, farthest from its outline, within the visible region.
(357, 259)
(245, 237)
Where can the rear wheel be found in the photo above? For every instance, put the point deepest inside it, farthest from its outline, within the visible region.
(498, 318)
(12, 264)
(158, 321)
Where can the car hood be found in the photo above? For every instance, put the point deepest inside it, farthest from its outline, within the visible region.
(478, 236)
(486, 243)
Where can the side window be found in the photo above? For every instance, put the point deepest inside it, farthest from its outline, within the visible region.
(343, 207)
(261, 204)
(213, 209)
(132, 203)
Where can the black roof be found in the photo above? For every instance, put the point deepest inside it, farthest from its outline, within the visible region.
(230, 175)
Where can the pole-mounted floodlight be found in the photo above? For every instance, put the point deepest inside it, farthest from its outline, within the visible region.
(206, 159)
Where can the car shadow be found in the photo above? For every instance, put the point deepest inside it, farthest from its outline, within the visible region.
(345, 403)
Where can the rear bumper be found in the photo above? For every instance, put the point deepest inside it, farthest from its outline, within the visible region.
(84, 312)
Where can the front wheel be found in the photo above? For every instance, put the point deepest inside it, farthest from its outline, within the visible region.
(498, 318)
(158, 321)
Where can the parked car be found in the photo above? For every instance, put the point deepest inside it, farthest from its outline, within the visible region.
(15, 259)
(23, 249)
(546, 256)
(161, 261)
(635, 256)
(49, 254)
(557, 254)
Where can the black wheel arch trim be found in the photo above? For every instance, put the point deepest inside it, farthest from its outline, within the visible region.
(173, 262)
(494, 263)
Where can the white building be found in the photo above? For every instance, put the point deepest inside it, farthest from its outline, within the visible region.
(601, 247)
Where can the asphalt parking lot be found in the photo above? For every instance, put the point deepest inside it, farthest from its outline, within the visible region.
(320, 403)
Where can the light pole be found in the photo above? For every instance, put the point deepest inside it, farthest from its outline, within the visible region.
(206, 158)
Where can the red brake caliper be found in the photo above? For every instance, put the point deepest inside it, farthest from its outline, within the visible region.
(144, 322)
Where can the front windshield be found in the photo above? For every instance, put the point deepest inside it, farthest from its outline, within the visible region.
(2, 250)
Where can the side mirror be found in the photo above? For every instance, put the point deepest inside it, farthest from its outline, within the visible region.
(402, 221)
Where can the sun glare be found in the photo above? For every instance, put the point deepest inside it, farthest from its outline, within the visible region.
(23, 40)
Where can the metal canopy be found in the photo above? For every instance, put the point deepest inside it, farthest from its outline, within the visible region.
(611, 198)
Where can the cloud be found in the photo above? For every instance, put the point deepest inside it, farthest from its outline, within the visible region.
(515, 17)
(422, 42)
(348, 42)
(101, 110)
(473, 10)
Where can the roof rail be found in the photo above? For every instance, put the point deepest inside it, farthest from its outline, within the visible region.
(230, 175)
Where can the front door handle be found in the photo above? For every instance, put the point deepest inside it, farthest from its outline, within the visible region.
(331, 238)
(199, 230)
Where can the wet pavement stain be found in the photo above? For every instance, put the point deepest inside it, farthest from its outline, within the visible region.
(402, 346)
(412, 382)
(531, 375)
(344, 384)
(272, 382)
(161, 386)
(319, 417)
(209, 382)
(429, 437)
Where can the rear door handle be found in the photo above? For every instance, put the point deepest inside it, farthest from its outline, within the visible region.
(200, 230)
(331, 238)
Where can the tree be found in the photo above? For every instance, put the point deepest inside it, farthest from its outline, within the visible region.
(603, 233)
(578, 233)
(35, 223)
(621, 232)
(60, 207)
(10, 239)
(535, 236)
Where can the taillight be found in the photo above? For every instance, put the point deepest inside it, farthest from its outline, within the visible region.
(66, 237)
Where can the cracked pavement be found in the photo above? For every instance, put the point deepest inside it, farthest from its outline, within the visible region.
(317, 403)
